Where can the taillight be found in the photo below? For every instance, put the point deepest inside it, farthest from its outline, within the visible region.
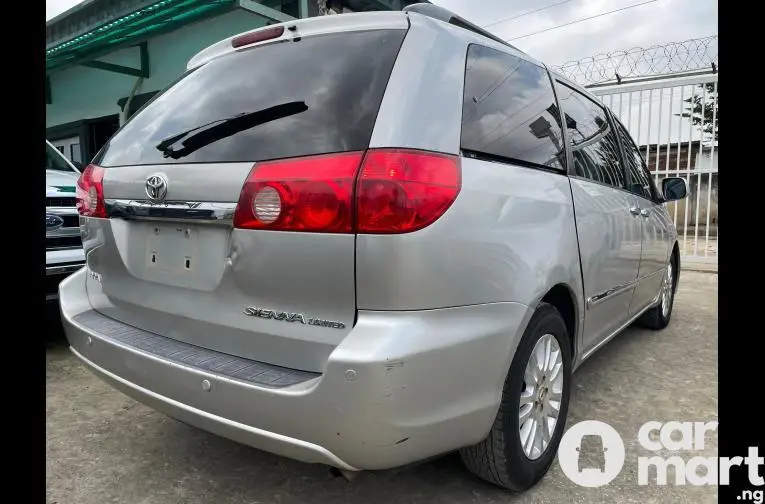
(400, 191)
(304, 194)
(90, 192)
(385, 191)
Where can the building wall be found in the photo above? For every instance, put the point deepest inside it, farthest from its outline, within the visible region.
(668, 157)
(85, 93)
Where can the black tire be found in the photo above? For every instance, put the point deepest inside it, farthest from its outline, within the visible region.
(499, 459)
(654, 318)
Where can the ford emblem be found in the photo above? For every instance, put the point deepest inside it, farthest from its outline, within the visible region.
(53, 222)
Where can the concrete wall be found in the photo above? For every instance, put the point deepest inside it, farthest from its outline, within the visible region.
(84, 93)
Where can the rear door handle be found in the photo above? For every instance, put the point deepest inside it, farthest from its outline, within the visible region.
(644, 212)
(635, 211)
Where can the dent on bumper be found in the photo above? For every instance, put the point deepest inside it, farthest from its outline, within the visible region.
(401, 387)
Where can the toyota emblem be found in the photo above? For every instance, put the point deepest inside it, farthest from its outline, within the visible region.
(156, 187)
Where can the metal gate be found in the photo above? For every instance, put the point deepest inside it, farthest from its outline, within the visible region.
(673, 119)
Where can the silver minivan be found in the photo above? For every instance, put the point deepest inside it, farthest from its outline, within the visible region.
(368, 239)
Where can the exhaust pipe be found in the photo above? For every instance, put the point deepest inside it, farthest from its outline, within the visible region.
(343, 473)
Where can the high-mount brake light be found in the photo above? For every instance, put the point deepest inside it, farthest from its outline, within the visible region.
(90, 192)
(382, 191)
(257, 36)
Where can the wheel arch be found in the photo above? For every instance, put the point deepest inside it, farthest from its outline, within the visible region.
(562, 297)
(675, 255)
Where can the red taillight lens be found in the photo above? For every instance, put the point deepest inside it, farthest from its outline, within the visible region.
(90, 192)
(305, 194)
(385, 191)
(400, 191)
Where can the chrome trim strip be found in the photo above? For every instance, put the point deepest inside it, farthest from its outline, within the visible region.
(202, 212)
(61, 210)
(597, 298)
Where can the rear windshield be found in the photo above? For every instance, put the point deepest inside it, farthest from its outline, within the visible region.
(315, 96)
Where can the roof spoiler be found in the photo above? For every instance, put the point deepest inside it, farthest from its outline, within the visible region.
(436, 12)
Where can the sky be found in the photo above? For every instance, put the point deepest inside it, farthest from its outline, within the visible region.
(654, 23)
(55, 7)
(657, 22)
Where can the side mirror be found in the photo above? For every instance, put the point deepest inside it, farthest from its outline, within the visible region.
(674, 188)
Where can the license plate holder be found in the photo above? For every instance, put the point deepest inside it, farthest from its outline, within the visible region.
(172, 249)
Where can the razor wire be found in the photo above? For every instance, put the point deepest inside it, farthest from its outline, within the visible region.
(670, 58)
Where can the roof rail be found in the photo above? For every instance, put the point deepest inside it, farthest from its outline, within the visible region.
(436, 12)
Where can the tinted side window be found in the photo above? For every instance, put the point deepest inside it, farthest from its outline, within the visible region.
(285, 99)
(593, 142)
(509, 110)
(640, 181)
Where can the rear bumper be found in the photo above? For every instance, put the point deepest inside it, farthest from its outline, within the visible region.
(247, 434)
(401, 387)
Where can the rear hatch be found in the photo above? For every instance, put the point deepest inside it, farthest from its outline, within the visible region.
(175, 256)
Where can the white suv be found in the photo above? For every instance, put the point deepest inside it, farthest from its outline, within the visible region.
(63, 245)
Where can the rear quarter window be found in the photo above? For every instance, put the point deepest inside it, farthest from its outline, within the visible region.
(640, 181)
(332, 86)
(594, 146)
(509, 111)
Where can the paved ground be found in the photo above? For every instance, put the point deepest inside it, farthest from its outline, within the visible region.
(103, 447)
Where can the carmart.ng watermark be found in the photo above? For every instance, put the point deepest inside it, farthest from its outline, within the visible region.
(592, 454)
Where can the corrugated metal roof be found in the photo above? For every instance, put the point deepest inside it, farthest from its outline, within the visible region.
(102, 26)
(87, 16)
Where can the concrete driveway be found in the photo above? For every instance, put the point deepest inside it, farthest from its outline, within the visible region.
(105, 448)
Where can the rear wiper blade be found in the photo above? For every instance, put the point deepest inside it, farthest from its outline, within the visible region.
(196, 138)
